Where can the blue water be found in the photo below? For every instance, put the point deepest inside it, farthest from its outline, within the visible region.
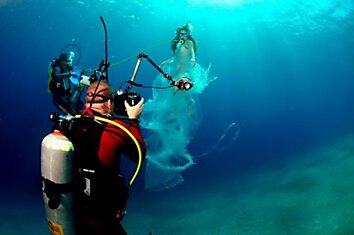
(285, 73)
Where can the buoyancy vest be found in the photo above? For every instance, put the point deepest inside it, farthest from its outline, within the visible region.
(55, 84)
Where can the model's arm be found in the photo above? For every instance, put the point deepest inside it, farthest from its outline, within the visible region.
(190, 46)
(168, 61)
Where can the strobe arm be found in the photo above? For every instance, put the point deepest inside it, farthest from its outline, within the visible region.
(144, 56)
(181, 84)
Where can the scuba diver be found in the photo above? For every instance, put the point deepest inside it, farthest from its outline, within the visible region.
(99, 191)
(66, 95)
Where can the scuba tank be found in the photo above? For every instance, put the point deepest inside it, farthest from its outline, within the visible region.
(56, 168)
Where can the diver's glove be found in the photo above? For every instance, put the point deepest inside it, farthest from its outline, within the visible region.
(86, 80)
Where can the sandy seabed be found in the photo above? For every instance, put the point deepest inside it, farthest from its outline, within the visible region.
(310, 194)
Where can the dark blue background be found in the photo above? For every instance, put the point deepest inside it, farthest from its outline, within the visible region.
(285, 74)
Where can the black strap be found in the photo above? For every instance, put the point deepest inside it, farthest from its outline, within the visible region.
(54, 190)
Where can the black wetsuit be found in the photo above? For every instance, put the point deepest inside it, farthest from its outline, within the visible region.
(64, 97)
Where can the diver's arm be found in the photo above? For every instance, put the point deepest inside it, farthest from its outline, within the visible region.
(115, 141)
(133, 114)
(57, 76)
(67, 74)
(131, 150)
(193, 57)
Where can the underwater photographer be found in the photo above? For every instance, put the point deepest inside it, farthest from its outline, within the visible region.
(84, 190)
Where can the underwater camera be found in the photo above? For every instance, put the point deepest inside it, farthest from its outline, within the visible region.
(132, 99)
(184, 84)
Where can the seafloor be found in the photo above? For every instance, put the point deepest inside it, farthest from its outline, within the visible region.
(312, 193)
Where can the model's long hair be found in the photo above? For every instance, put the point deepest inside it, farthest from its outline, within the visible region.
(175, 41)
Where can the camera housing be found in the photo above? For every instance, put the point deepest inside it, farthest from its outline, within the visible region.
(118, 99)
(184, 84)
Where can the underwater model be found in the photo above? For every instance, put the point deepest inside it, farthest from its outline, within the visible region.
(173, 115)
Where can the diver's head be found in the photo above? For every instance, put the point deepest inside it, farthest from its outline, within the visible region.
(99, 97)
(71, 56)
(67, 58)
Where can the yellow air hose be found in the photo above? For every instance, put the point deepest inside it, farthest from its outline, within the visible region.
(140, 157)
